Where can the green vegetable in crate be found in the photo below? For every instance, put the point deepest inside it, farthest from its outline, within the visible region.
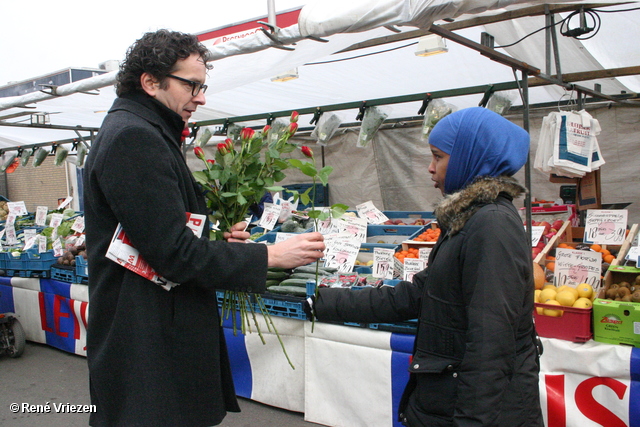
(302, 283)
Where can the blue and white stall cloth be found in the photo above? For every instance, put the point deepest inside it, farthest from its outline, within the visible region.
(349, 376)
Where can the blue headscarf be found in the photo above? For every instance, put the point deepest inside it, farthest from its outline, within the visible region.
(480, 143)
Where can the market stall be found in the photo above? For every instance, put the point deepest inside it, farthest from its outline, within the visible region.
(352, 376)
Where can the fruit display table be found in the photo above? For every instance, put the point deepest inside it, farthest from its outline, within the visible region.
(351, 376)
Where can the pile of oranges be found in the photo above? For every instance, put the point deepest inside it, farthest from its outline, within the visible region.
(429, 235)
(409, 253)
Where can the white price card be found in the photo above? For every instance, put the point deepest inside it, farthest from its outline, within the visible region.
(326, 226)
(29, 241)
(372, 214)
(78, 224)
(605, 227)
(283, 236)
(413, 266)
(17, 208)
(270, 216)
(574, 267)
(355, 227)
(56, 220)
(12, 239)
(383, 263)
(42, 244)
(41, 215)
(65, 202)
(341, 253)
(536, 234)
(57, 248)
(423, 254)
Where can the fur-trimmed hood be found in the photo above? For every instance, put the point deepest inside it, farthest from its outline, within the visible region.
(455, 209)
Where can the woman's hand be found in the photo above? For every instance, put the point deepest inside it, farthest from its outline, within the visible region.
(237, 233)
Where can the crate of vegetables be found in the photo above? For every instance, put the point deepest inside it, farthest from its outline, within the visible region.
(29, 263)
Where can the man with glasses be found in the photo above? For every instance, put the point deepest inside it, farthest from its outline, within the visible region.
(158, 357)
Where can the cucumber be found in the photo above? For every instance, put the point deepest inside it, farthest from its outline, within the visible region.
(302, 283)
(311, 270)
(306, 276)
(273, 282)
(288, 290)
(277, 275)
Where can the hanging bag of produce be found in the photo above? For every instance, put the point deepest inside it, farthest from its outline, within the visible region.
(80, 155)
(9, 161)
(436, 111)
(39, 156)
(371, 122)
(24, 157)
(61, 155)
(328, 124)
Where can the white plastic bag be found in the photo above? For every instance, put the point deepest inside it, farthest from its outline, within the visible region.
(371, 122)
(328, 124)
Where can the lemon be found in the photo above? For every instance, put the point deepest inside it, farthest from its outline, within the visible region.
(536, 295)
(583, 302)
(566, 298)
(550, 312)
(584, 290)
(547, 294)
(571, 289)
(549, 286)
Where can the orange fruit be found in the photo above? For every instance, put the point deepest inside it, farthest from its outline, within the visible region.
(605, 252)
(608, 259)
(595, 247)
(538, 276)
(551, 266)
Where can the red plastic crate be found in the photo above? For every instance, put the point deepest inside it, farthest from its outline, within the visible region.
(574, 324)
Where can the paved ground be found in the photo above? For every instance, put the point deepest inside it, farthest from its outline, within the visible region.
(45, 375)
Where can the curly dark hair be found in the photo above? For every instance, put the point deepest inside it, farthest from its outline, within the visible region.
(156, 53)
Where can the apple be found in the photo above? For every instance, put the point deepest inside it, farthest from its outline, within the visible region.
(557, 224)
(546, 226)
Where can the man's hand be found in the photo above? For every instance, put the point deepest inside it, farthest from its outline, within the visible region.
(301, 249)
(237, 233)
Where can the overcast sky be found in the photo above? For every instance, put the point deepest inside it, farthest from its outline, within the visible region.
(38, 37)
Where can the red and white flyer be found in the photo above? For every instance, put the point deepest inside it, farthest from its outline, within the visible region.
(122, 252)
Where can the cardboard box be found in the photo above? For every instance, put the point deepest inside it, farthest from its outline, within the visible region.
(616, 322)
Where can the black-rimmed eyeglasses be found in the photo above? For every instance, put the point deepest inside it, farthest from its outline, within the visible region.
(196, 87)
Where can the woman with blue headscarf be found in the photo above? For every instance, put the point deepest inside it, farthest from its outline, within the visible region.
(475, 358)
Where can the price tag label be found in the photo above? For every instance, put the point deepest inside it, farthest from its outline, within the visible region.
(29, 241)
(57, 248)
(574, 267)
(605, 227)
(372, 214)
(341, 252)
(536, 234)
(383, 263)
(423, 254)
(42, 244)
(10, 232)
(65, 202)
(270, 216)
(78, 224)
(283, 236)
(413, 266)
(355, 227)
(17, 208)
(41, 215)
(56, 220)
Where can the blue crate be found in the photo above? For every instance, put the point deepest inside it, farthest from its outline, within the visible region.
(403, 232)
(30, 263)
(63, 273)
(283, 306)
(82, 270)
(321, 197)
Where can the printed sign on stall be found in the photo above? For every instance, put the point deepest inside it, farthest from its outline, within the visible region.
(383, 263)
(605, 227)
(574, 267)
(270, 216)
(372, 214)
(413, 266)
(341, 252)
(41, 215)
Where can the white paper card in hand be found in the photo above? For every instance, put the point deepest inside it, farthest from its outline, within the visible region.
(270, 216)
